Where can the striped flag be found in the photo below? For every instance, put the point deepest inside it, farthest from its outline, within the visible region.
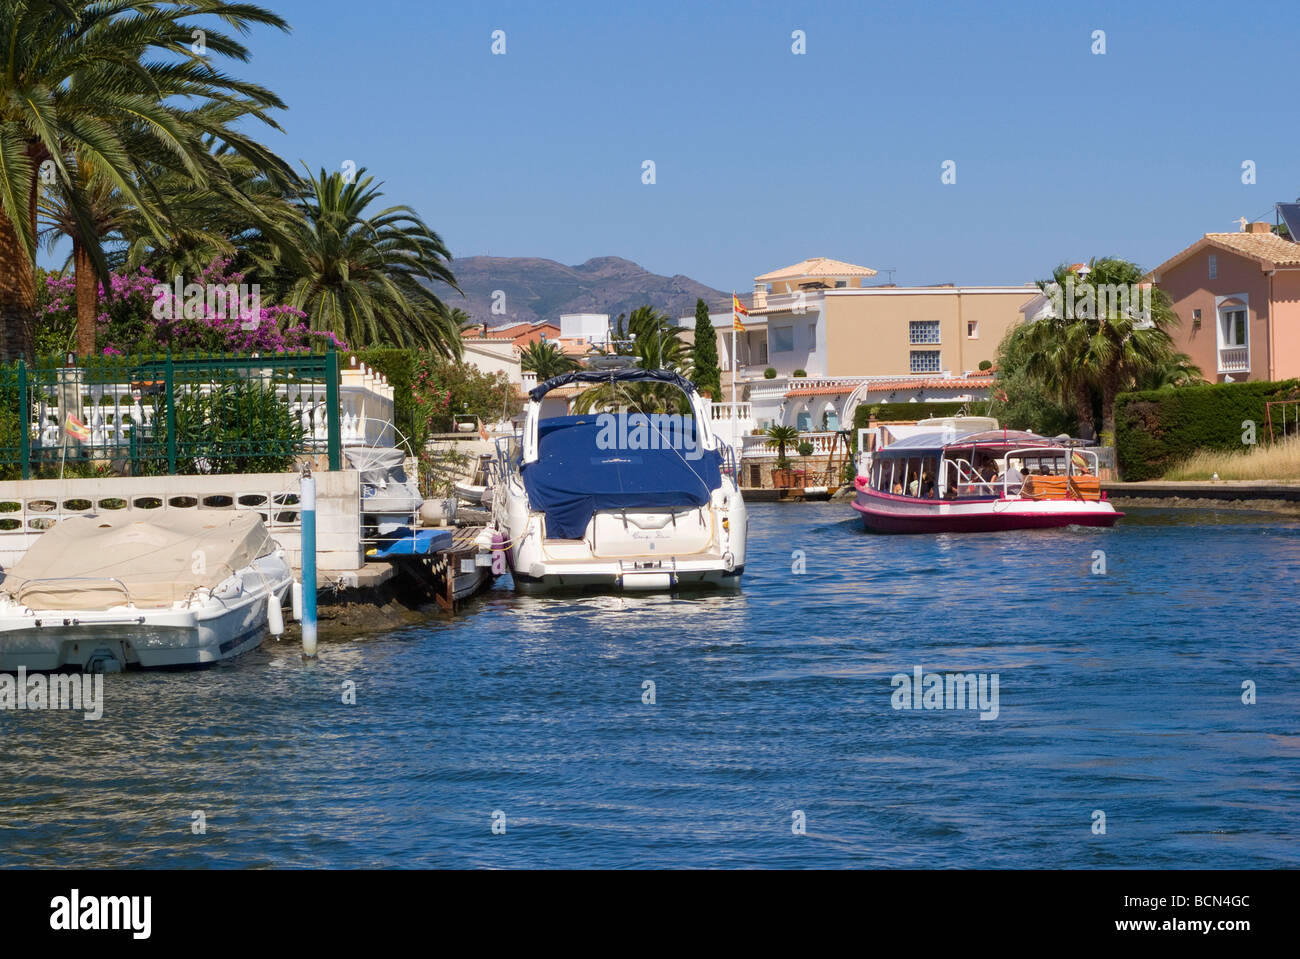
(76, 429)
(737, 311)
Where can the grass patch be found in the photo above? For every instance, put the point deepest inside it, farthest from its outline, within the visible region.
(1276, 461)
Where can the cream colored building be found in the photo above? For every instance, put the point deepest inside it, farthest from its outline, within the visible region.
(849, 341)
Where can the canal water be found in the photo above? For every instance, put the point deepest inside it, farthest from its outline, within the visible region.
(769, 737)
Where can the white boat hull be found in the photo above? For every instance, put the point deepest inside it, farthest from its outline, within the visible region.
(230, 622)
(642, 549)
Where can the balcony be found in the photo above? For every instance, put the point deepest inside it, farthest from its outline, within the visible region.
(1234, 359)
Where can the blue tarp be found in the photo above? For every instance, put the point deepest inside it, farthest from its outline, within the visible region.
(408, 542)
(573, 476)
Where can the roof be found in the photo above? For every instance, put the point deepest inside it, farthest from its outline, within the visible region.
(941, 383)
(817, 266)
(1267, 248)
(936, 439)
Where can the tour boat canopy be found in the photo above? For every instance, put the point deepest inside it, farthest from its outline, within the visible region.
(634, 375)
(577, 474)
(938, 441)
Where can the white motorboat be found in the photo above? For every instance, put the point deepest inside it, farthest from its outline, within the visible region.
(106, 592)
(619, 500)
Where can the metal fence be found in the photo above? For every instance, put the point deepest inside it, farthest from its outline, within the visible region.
(189, 414)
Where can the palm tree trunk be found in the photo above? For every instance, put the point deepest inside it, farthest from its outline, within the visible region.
(1083, 411)
(17, 288)
(86, 300)
(1109, 390)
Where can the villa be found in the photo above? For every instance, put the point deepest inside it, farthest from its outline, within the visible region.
(819, 340)
(1237, 296)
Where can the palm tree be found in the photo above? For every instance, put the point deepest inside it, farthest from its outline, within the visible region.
(546, 360)
(90, 80)
(778, 436)
(1101, 349)
(368, 276)
(655, 343)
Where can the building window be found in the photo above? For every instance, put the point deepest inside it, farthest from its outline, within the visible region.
(925, 361)
(783, 339)
(1233, 330)
(972, 329)
(841, 284)
(1234, 327)
(923, 331)
(1214, 267)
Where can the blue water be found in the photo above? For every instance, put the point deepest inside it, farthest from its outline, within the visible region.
(1118, 692)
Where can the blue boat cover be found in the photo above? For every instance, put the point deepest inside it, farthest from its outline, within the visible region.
(573, 477)
(408, 542)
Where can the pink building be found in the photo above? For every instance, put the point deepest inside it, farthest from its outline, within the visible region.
(1238, 298)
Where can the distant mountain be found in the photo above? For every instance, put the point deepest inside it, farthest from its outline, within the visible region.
(538, 289)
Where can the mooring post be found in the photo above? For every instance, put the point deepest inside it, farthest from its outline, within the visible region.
(307, 510)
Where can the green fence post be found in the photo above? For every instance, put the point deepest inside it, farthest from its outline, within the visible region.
(25, 419)
(332, 409)
(170, 393)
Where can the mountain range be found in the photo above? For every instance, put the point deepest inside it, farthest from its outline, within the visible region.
(532, 288)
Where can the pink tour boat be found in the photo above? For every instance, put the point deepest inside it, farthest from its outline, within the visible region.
(943, 481)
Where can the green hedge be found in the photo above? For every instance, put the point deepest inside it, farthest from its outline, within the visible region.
(398, 365)
(1157, 429)
(894, 412)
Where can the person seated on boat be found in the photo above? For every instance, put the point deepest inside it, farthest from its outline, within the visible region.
(927, 486)
(898, 488)
(914, 486)
(1014, 477)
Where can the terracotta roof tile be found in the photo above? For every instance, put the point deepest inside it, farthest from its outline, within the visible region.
(817, 266)
(1264, 247)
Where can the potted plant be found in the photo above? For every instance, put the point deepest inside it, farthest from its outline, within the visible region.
(800, 373)
(778, 436)
(805, 450)
(769, 373)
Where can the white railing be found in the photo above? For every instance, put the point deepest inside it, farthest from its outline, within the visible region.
(1234, 359)
(365, 408)
(731, 411)
(756, 445)
(112, 411)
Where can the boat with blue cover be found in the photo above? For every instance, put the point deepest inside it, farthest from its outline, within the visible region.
(619, 499)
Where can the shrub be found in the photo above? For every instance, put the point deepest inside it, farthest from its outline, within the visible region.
(398, 365)
(1158, 429)
(804, 449)
(800, 373)
(769, 373)
(238, 427)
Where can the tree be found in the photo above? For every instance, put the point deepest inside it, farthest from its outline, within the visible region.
(1100, 342)
(779, 436)
(704, 357)
(547, 360)
(369, 277)
(84, 79)
(655, 343)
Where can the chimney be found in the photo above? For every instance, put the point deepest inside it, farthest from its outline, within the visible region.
(1260, 228)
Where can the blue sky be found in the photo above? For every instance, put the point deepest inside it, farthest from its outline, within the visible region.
(764, 157)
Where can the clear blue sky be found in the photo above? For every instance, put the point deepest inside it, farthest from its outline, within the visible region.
(764, 157)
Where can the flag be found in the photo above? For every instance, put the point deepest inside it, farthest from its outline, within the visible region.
(76, 429)
(737, 311)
